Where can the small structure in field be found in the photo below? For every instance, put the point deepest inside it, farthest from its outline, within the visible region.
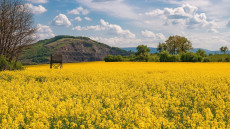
(56, 61)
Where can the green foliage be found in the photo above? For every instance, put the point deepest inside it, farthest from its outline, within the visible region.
(162, 47)
(177, 44)
(15, 65)
(111, 58)
(142, 58)
(227, 59)
(201, 52)
(142, 53)
(206, 59)
(153, 58)
(218, 57)
(210, 54)
(190, 57)
(3, 63)
(224, 49)
(142, 50)
(166, 57)
(6, 65)
(175, 58)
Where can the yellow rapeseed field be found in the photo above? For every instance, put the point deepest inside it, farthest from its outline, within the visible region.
(117, 95)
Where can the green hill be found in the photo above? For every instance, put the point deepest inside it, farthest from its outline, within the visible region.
(73, 49)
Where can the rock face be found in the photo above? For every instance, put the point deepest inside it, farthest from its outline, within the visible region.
(73, 49)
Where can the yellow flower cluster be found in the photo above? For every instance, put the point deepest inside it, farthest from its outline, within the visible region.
(117, 95)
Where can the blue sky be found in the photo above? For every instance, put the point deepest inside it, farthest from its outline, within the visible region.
(128, 23)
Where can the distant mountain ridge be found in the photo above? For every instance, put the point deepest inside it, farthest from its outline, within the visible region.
(154, 50)
(73, 49)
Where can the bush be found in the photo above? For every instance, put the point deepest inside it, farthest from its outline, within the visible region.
(111, 58)
(210, 54)
(15, 65)
(3, 63)
(174, 58)
(6, 65)
(206, 60)
(142, 58)
(227, 59)
(220, 60)
(190, 57)
(153, 58)
(164, 56)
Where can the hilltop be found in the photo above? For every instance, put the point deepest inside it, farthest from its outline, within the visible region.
(73, 49)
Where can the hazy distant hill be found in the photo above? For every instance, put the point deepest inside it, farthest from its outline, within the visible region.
(154, 50)
(73, 49)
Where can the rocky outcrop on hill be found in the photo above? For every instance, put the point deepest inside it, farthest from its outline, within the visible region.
(73, 49)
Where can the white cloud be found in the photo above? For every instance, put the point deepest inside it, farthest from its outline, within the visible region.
(61, 20)
(87, 18)
(186, 15)
(78, 11)
(36, 9)
(150, 34)
(213, 8)
(212, 30)
(44, 32)
(115, 8)
(156, 12)
(111, 29)
(38, 1)
(94, 28)
(116, 29)
(77, 19)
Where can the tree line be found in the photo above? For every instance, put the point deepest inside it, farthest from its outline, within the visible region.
(175, 49)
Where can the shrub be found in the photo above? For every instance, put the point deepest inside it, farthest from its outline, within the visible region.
(220, 60)
(227, 59)
(174, 58)
(3, 63)
(142, 58)
(153, 58)
(6, 65)
(190, 57)
(164, 56)
(210, 54)
(206, 60)
(111, 58)
(15, 65)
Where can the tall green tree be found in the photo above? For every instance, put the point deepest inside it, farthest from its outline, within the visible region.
(161, 47)
(142, 53)
(224, 49)
(177, 44)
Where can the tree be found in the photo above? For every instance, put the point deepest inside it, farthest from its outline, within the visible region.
(161, 47)
(224, 49)
(164, 56)
(142, 50)
(177, 44)
(142, 53)
(201, 52)
(16, 28)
